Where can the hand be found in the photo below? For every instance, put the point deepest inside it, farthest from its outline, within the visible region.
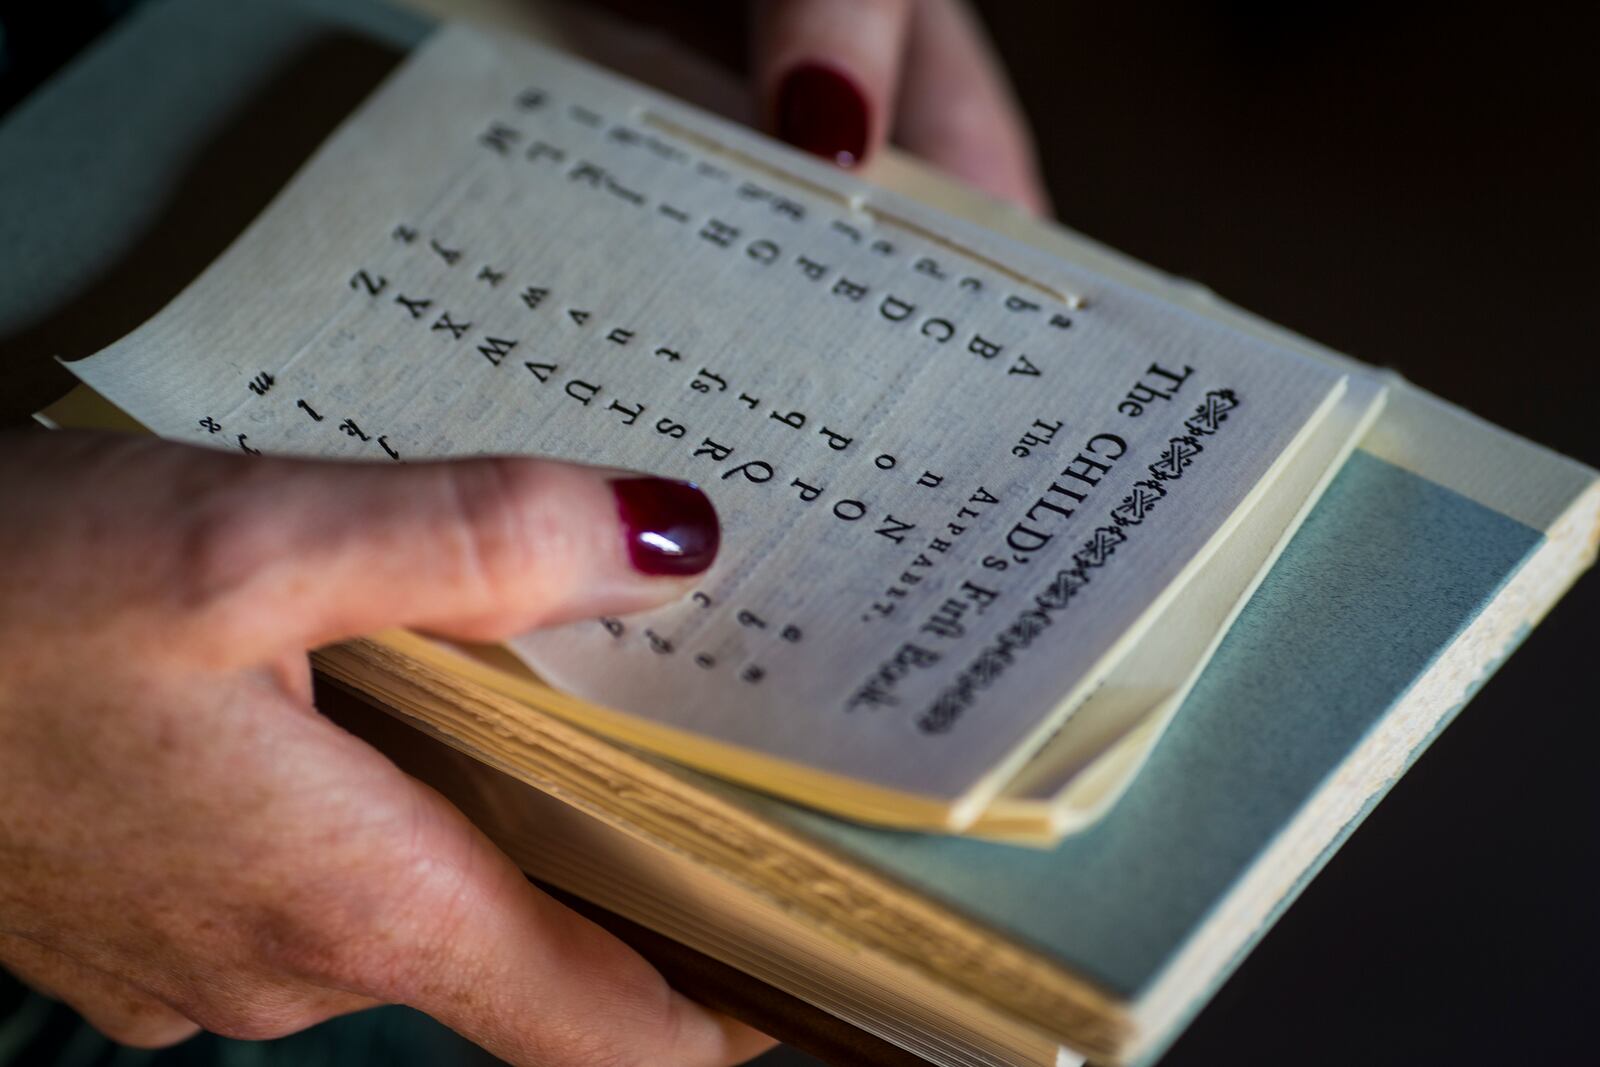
(185, 841)
(839, 78)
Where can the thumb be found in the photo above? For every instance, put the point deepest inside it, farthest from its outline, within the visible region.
(290, 554)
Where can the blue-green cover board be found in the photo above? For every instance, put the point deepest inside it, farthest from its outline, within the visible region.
(1388, 569)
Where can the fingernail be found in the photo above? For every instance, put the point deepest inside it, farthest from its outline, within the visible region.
(822, 111)
(671, 527)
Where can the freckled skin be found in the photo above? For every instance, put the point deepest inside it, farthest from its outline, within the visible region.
(184, 841)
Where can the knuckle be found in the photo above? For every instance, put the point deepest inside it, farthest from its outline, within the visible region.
(256, 1009)
(227, 542)
(325, 947)
(261, 1022)
(116, 524)
(492, 531)
(383, 934)
(411, 947)
(145, 1035)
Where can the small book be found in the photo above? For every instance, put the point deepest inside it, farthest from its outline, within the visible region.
(1060, 563)
(986, 513)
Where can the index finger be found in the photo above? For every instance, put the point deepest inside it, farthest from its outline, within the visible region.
(828, 70)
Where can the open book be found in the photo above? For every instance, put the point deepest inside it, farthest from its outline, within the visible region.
(1435, 549)
(987, 513)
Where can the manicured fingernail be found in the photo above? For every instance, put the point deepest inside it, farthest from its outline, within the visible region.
(671, 527)
(822, 111)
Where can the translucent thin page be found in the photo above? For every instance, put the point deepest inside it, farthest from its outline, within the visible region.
(921, 437)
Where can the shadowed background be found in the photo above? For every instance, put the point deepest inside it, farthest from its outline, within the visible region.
(1416, 186)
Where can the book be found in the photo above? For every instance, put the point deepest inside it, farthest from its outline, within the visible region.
(1105, 942)
(971, 496)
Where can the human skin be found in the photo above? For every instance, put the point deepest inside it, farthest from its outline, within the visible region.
(185, 842)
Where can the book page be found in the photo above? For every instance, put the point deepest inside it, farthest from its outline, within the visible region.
(954, 474)
(1075, 776)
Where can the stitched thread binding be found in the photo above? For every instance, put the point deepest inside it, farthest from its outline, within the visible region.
(858, 206)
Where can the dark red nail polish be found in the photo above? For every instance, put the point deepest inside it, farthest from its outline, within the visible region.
(671, 527)
(822, 111)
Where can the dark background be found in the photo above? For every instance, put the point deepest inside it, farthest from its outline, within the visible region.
(1418, 187)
